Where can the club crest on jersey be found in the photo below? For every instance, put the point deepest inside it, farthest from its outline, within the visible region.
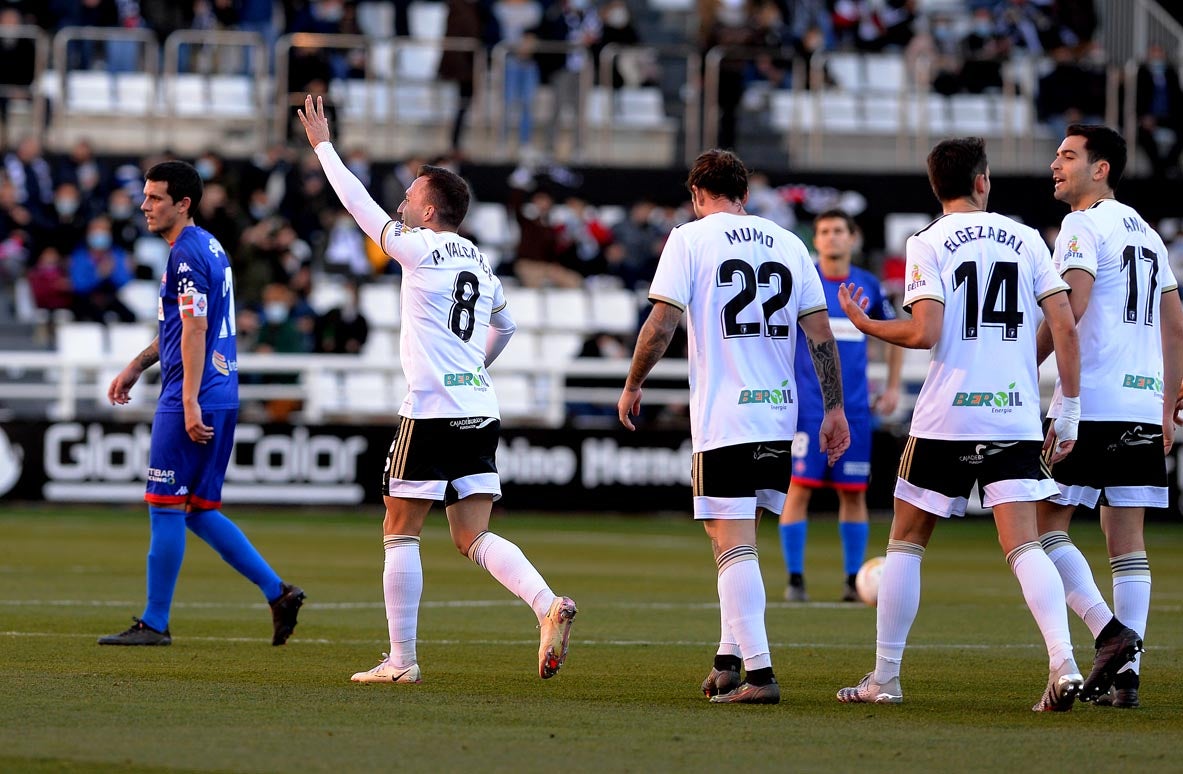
(193, 304)
(1000, 402)
(778, 399)
(917, 278)
(1073, 248)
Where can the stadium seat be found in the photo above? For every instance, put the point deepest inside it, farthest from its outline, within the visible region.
(417, 62)
(566, 310)
(643, 106)
(427, 21)
(126, 340)
(89, 91)
(974, 114)
(881, 113)
(489, 223)
(329, 390)
(379, 304)
(381, 345)
(232, 96)
(597, 111)
(614, 310)
(1015, 115)
(521, 353)
(366, 99)
(84, 341)
(792, 111)
(525, 306)
(376, 20)
(327, 293)
(846, 69)
(885, 73)
(152, 252)
(369, 392)
(188, 94)
(931, 111)
(142, 297)
(561, 347)
(839, 112)
(135, 94)
(514, 395)
(416, 102)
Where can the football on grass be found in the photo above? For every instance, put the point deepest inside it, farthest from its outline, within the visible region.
(866, 583)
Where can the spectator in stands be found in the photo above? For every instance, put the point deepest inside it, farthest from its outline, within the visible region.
(282, 329)
(1029, 26)
(267, 172)
(985, 49)
(727, 23)
(345, 250)
(637, 242)
(15, 220)
(49, 282)
(538, 262)
(519, 21)
(578, 23)
(889, 26)
(804, 15)
(324, 17)
(217, 214)
(259, 16)
(1077, 20)
(1073, 92)
(776, 66)
(934, 56)
(635, 67)
(19, 57)
(466, 19)
(82, 168)
(31, 177)
(98, 270)
(342, 330)
(807, 47)
(127, 225)
(64, 225)
(1159, 105)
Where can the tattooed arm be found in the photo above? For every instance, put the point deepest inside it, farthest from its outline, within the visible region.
(120, 390)
(651, 345)
(834, 438)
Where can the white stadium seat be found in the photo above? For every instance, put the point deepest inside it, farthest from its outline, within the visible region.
(142, 297)
(126, 340)
(417, 62)
(614, 310)
(327, 294)
(846, 69)
(885, 72)
(525, 307)
(489, 223)
(792, 110)
(566, 309)
(189, 94)
(379, 304)
(640, 106)
(376, 20)
(839, 112)
(135, 94)
(561, 347)
(232, 96)
(89, 92)
(427, 20)
(152, 252)
(881, 113)
(369, 392)
(521, 353)
(81, 341)
(381, 345)
(974, 114)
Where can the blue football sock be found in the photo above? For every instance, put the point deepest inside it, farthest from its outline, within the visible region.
(792, 544)
(166, 551)
(854, 543)
(228, 540)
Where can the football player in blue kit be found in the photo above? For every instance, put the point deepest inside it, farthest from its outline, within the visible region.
(834, 239)
(193, 429)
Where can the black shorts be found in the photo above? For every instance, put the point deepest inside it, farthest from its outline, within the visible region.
(443, 459)
(1114, 463)
(731, 482)
(938, 476)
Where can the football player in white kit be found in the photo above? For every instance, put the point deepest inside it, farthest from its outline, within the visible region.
(454, 325)
(1126, 303)
(975, 284)
(745, 285)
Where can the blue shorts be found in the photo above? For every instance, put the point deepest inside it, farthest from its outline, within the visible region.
(811, 468)
(187, 475)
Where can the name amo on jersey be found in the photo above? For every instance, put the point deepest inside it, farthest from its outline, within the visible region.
(964, 236)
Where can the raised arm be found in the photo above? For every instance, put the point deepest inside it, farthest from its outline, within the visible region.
(652, 343)
(367, 212)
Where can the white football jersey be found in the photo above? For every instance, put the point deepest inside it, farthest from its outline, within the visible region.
(448, 295)
(1120, 339)
(743, 282)
(990, 272)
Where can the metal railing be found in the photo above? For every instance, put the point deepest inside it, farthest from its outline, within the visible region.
(1131, 26)
(691, 94)
(34, 92)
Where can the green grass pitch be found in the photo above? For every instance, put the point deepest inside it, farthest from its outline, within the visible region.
(222, 699)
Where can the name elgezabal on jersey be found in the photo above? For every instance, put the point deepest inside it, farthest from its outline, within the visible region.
(964, 236)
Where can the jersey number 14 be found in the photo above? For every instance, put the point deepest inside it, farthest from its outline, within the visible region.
(1003, 285)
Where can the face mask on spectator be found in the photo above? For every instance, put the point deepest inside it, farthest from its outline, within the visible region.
(99, 240)
(275, 312)
(121, 211)
(66, 207)
(206, 169)
(616, 17)
(330, 12)
(260, 211)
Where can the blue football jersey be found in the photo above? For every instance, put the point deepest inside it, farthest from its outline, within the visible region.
(198, 283)
(852, 347)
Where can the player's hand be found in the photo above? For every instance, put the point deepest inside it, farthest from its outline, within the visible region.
(629, 403)
(1179, 407)
(1168, 435)
(854, 303)
(119, 392)
(316, 125)
(887, 402)
(834, 437)
(199, 431)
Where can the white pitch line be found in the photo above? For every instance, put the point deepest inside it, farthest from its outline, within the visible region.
(934, 646)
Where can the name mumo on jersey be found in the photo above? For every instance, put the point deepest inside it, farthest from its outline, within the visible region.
(737, 235)
(973, 233)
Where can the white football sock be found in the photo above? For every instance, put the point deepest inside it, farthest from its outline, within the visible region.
(727, 644)
(1079, 587)
(1131, 595)
(506, 562)
(1044, 592)
(899, 600)
(402, 587)
(741, 602)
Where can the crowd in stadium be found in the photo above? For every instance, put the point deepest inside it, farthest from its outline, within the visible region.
(69, 222)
